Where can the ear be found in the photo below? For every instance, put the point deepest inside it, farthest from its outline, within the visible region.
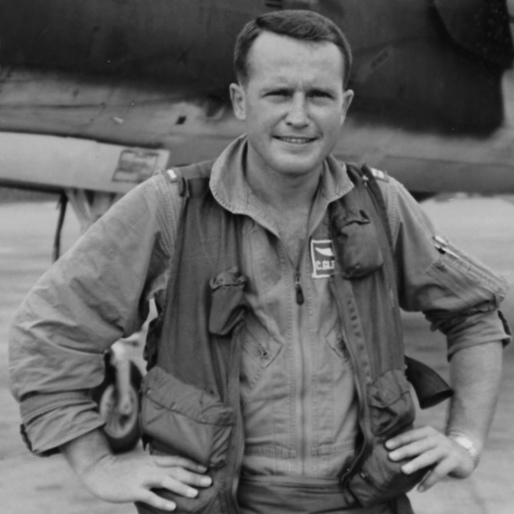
(347, 100)
(237, 95)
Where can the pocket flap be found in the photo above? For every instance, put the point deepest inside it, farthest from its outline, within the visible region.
(173, 394)
(356, 244)
(391, 403)
(228, 305)
(180, 419)
(388, 389)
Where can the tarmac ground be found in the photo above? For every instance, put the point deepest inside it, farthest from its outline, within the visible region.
(29, 485)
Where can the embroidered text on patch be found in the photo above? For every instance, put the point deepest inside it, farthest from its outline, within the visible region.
(322, 256)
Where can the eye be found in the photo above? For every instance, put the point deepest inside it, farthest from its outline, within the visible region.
(318, 93)
(278, 93)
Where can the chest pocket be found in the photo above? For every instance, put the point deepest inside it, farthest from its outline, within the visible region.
(336, 341)
(258, 350)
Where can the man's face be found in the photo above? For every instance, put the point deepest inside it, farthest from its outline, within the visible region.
(293, 104)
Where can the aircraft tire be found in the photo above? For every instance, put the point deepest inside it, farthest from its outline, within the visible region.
(121, 430)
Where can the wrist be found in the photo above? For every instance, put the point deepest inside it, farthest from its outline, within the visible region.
(467, 443)
(84, 452)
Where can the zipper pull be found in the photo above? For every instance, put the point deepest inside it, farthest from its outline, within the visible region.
(298, 286)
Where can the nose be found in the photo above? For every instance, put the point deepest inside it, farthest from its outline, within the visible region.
(297, 115)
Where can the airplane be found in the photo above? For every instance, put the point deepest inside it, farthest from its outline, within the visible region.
(97, 95)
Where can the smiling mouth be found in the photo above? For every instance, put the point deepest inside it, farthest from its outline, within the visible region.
(296, 140)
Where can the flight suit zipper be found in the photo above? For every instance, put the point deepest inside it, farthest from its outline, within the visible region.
(300, 299)
(300, 364)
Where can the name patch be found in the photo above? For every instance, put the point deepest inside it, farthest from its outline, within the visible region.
(322, 256)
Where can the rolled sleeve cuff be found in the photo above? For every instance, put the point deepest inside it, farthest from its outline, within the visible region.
(470, 330)
(51, 422)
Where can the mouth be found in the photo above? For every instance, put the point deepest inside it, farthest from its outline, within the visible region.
(296, 140)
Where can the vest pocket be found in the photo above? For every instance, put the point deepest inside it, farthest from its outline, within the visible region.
(356, 244)
(391, 404)
(180, 419)
(380, 479)
(228, 303)
(392, 411)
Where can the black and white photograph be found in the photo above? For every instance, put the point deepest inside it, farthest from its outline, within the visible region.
(256, 256)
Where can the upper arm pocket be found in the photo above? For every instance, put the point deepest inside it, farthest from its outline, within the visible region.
(466, 282)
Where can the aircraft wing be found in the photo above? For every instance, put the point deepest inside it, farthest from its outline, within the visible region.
(98, 95)
(58, 131)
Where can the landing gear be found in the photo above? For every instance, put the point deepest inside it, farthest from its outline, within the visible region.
(119, 407)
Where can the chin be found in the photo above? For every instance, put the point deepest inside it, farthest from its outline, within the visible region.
(298, 165)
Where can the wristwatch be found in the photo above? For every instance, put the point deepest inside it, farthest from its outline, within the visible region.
(467, 444)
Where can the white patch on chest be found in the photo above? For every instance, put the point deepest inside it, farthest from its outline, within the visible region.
(322, 258)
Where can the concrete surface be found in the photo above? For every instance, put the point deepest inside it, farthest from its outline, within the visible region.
(30, 485)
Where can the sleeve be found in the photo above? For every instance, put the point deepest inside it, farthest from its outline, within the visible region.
(458, 294)
(95, 294)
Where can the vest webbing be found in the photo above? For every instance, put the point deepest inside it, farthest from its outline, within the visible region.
(375, 294)
(208, 242)
(210, 235)
(184, 343)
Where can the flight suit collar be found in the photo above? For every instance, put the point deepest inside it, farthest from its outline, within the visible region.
(231, 190)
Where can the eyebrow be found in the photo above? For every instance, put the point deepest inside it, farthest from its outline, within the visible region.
(288, 89)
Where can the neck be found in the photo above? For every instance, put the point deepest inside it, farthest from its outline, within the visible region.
(282, 191)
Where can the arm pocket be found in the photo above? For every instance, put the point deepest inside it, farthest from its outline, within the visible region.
(468, 283)
(179, 419)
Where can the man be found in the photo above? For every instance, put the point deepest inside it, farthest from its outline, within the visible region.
(315, 406)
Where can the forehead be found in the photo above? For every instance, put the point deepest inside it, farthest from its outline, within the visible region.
(275, 56)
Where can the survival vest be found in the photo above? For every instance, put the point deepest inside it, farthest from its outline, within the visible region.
(191, 392)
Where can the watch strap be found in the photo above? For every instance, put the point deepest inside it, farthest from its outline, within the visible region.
(467, 444)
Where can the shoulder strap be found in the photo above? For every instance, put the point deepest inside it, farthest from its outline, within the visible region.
(190, 339)
(378, 199)
(192, 181)
(429, 386)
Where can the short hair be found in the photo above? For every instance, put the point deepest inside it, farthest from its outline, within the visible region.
(297, 24)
